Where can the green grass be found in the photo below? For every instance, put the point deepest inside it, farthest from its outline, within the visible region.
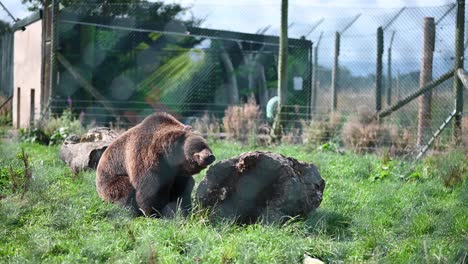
(371, 212)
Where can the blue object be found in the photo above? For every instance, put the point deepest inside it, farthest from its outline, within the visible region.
(272, 107)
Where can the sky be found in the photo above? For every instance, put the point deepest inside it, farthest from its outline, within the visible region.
(18, 10)
(358, 42)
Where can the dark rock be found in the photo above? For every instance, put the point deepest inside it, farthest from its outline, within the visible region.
(261, 186)
(83, 152)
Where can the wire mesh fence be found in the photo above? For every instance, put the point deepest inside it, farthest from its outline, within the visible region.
(6, 59)
(138, 58)
(141, 65)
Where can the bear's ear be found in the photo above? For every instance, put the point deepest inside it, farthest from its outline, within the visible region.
(173, 147)
(187, 128)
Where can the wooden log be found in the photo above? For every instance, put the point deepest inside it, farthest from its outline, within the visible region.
(261, 185)
(83, 152)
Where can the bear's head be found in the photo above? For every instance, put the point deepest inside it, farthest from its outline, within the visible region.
(197, 154)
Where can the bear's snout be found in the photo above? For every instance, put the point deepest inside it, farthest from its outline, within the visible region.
(210, 159)
(204, 158)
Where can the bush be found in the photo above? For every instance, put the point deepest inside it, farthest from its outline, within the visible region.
(402, 140)
(5, 112)
(15, 175)
(5, 119)
(34, 135)
(365, 137)
(450, 167)
(208, 125)
(66, 121)
(363, 133)
(241, 122)
(54, 130)
(294, 135)
(322, 129)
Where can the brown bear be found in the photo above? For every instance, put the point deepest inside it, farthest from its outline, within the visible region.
(151, 165)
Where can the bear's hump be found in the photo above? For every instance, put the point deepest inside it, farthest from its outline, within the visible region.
(165, 119)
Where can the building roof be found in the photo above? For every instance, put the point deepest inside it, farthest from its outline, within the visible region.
(23, 23)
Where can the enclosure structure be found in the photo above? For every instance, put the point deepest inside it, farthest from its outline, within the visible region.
(109, 68)
(118, 63)
(121, 69)
(27, 71)
(6, 60)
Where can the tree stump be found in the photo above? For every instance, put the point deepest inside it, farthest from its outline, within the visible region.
(261, 186)
(83, 152)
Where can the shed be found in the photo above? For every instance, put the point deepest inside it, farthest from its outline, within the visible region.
(28, 58)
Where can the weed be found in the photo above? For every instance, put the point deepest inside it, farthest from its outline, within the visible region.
(363, 137)
(208, 125)
(322, 130)
(16, 176)
(241, 122)
(451, 167)
(34, 135)
(293, 136)
(5, 119)
(5, 112)
(53, 131)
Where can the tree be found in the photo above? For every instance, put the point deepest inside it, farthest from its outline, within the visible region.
(4, 27)
(34, 5)
(282, 73)
(157, 10)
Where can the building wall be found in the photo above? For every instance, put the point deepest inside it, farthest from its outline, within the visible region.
(27, 59)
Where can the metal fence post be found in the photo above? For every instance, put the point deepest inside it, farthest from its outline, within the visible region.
(53, 51)
(335, 73)
(315, 76)
(389, 71)
(378, 70)
(424, 115)
(457, 84)
(310, 66)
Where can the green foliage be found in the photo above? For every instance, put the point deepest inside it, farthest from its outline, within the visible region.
(4, 27)
(451, 167)
(66, 121)
(381, 172)
(5, 119)
(34, 135)
(329, 146)
(5, 110)
(54, 130)
(15, 174)
(61, 219)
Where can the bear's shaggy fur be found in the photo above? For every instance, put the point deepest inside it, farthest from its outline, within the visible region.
(151, 165)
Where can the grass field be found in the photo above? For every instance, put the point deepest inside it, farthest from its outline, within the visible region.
(373, 210)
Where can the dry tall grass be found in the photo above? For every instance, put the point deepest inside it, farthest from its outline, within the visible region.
(5, 112)
(294, 136)
(242, 122)
(208, 125)
(364, 134)
(322, 129)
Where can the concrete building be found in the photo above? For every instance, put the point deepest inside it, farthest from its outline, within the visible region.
(27, 69)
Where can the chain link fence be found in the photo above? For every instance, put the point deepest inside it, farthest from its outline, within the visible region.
(120, 62)
(139, 65)
(402, 55)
